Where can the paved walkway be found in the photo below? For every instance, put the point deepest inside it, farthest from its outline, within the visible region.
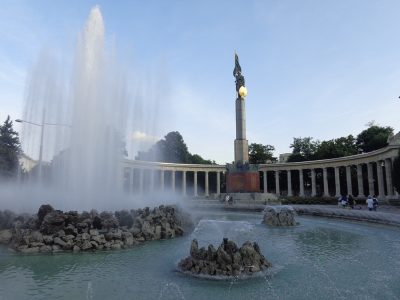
(386, 214)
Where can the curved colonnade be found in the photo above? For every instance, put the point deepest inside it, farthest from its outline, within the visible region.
(359, 175)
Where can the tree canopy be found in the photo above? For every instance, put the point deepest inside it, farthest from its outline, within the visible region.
(370, 139)
(303, 149)
(374, 137)
(260, 154)
(9, 149)
(171, 149)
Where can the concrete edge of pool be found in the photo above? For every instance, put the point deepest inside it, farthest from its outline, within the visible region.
(362, 215)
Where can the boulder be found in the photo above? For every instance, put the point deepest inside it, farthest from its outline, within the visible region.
(5, 236)
(53, 222)
(58, 241)
(43, 211)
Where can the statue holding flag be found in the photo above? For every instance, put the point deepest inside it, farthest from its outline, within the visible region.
(240, 83)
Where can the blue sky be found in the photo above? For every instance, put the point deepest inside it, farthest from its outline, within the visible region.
(313, 68)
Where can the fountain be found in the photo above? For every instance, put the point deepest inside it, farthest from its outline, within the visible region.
(320, 258)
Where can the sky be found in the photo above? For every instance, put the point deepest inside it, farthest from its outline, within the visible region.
(313, 68)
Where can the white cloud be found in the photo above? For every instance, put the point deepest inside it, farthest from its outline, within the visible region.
(143, 137)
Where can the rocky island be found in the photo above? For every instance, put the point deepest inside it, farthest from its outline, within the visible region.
(279, 215)
(226, 261)
(52, 230)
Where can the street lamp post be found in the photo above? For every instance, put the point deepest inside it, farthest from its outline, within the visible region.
(41, 138)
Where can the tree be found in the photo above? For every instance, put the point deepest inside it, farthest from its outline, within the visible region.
(260, 154)
(374, 137)
(303, 149)
(171, 149)
(10, 149)
(340, 147)
(197, 159)
(396, 173)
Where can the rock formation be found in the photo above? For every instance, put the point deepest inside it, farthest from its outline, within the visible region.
(280, 215)
(53, 230)
(227, 260)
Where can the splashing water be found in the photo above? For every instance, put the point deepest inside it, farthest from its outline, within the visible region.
(87, 115)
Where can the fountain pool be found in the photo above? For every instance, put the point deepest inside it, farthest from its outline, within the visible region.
(319, 259)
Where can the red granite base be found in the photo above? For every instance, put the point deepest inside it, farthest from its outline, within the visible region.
(243, 182)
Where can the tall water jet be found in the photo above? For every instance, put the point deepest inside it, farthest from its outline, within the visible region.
(97, 121)
(90, 121)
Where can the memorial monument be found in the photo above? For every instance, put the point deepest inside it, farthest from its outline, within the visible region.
(241, 176)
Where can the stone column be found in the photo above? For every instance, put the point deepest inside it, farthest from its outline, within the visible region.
(301, 178)
(184, 183)
(360, 182)
(370, 179)
(173, 181)
(162, 180)
(141, 181)
(313, 184)
(381, 186)
(207, 192)
(289, 183)
(265, 182)
(388, 172)
(218, 183)
(337, 182)
(325, 177)
(195, 184)
(277, 189)
(348, 181)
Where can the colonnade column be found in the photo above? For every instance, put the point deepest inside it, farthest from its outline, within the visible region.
(337, 182)
(218, 183)
(162, 180)
(301, 179)
(207, 193)
(348, 181)
(265, 182)
(141, 181)
(313, 184)
(381, 186)
(184, 183)
(370, 179)
(289, 182)
(195, 184)
(277, 189)
(360, 182)
(325, 178)
(173, 181)
(388, 171)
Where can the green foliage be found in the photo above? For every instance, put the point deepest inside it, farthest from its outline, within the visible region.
(171, 149)
(197, 159)
(260, 154)
(9, 149)
(340, 147)
(303, 149)
(373, 138)
(396, 173)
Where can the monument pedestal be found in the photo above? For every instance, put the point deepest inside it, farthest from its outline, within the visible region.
(245, 179)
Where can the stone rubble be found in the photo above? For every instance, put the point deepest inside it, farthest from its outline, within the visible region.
(227, 260)
(52, 230)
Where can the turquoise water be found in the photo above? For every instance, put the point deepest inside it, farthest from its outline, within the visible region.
(319, 259)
